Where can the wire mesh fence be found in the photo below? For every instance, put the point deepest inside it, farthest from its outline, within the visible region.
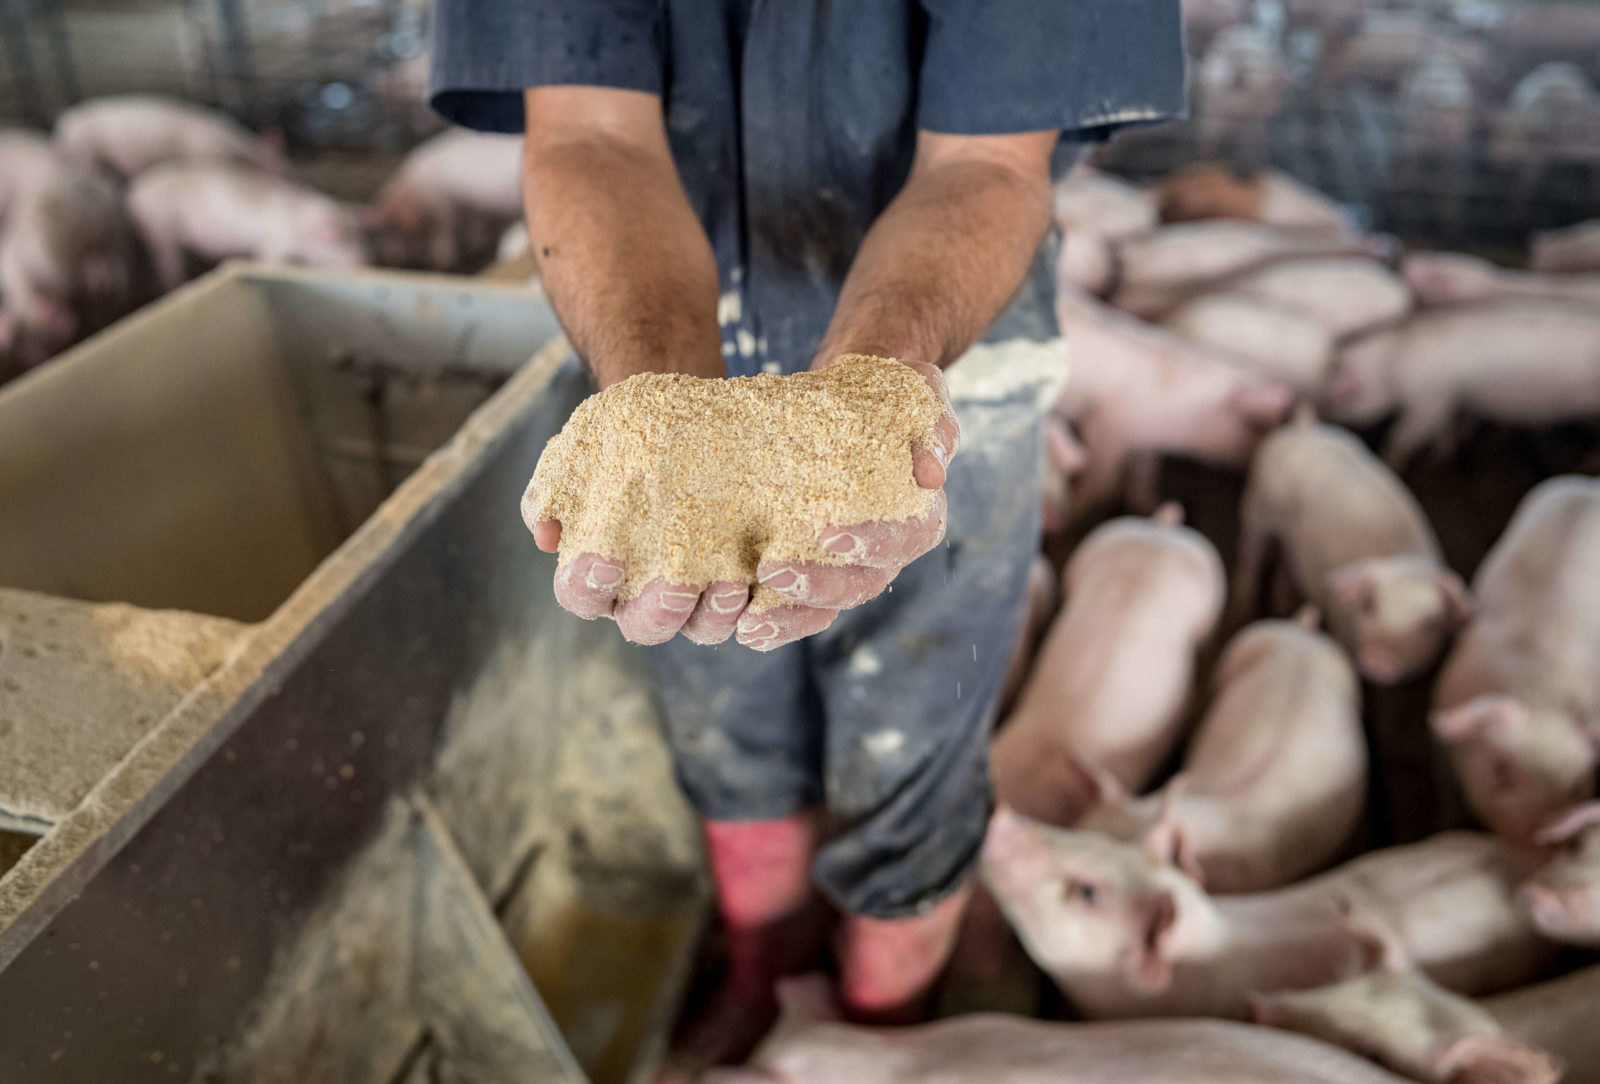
(1361, 150)
(1466, 122)
(331, 74)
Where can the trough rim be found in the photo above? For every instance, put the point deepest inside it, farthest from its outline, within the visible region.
(54, 870)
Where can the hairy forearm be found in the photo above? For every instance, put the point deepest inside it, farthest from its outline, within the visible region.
(940, 263)
(623, 259)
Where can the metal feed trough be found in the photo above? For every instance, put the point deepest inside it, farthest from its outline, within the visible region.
(398, 818)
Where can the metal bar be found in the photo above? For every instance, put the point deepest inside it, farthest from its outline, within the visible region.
(55, 29)
(235, 49)
(19, 47)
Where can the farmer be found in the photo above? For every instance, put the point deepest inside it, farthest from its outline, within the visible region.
(730, 187)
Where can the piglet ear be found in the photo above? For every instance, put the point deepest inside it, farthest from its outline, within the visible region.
(1166, 843)
(1457, 598)
(1353, 584)
(1101, 786)
(1152, 965)
(1589, 724)
(1005, 820)
(1475, 718)
(1264, 404)
(1381, 949)
(1496, 1059)
(1569, 825)
(1066, 452)
(1267, 1010)
(1170, 514)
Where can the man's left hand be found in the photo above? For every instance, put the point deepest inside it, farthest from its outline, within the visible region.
(874, 553)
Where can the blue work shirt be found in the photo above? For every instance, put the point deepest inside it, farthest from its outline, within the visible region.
(793, 122)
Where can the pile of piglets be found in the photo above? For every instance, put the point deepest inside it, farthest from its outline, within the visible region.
(134, 193)
(1188, 847)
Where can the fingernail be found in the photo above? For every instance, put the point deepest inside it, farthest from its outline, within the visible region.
(679, 601)
(788, 582)
(764, 631)
(762, 643)
(938, 453)
(725, 602)
(783, 577)
(604, 575)
(843, 544)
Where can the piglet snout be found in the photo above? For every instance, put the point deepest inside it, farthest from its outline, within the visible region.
(1542, 904)
(1263, 405)
(1380, 665)
(1007, 838)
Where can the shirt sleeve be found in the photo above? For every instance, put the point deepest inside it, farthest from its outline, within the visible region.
(1085, 67)
(487, 52)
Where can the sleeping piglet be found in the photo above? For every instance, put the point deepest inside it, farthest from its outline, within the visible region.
(1518, 701)
(1398, 1016)
(1139, 391)
(1401, 1019)
(1113, 676)
(1562, 898)
(1003, 1049)
(1162, 268)
(1276, 777)
(1517, 361)
(1355, 542)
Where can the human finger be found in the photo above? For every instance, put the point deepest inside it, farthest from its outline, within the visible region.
(887, 544)
(588, 585)
(547, 535)
(782, 625)
(657, 612)
(834, 587)
(717, 614)
(930, 461)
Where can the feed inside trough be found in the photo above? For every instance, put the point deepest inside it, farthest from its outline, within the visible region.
(79, 685)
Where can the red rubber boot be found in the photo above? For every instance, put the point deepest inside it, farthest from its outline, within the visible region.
(887, 967)
(762, 871)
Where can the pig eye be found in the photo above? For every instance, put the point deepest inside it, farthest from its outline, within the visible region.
(1081, 892)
